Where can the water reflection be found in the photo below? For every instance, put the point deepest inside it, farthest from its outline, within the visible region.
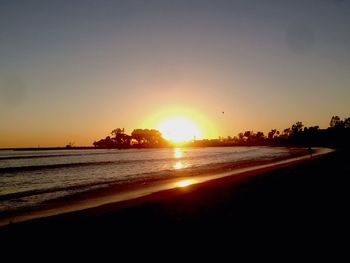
(185, 183)
(179, 165)
(178, 153)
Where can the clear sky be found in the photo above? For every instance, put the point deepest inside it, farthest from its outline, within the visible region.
(71, 71)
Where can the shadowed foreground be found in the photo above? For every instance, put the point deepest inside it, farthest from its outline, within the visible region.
(306, 200)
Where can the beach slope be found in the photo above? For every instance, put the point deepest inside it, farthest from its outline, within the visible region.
(308, 196)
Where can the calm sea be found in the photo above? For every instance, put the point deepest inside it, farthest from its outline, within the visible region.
(31, 178)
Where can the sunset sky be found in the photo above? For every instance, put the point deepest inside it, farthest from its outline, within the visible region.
(71, 71)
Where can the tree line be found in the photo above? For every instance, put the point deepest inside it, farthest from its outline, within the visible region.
(138, 138)
(336, 135)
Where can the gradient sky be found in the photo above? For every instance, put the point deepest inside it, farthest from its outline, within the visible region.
(71, 71)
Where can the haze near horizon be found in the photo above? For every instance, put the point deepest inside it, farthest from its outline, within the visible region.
(72, 71)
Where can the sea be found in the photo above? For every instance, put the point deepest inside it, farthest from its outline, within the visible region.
(33, 178)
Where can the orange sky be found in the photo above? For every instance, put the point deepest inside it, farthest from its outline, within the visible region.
(73, 72)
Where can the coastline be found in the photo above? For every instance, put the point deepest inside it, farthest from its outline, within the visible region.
(128, 196)
(300, 203)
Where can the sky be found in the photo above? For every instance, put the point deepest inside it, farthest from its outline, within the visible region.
(72, 71)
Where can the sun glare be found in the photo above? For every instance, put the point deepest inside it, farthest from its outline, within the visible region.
(178, 165)
(178, 153)
(179, 129)
(184, 183)
(179, 124)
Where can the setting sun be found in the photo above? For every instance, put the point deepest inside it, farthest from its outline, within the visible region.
(179, 129)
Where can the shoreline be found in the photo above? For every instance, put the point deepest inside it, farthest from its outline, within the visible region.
(110, 198)
(305, 202)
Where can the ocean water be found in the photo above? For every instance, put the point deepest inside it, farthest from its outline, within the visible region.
(31, 178)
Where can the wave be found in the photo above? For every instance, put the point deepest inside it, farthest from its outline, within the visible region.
(109, 152)
(57, 166)
(49, 190)
(132, 178)
(140, 177)
(18, 157)
(29, 168)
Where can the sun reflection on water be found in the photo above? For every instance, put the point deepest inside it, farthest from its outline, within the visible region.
(179, 165)
(178, 152)
(185, 183)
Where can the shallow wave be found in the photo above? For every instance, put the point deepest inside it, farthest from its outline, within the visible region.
(142, 177)
(28, 185)
(13, 155)
(55, 166)
(17, 157)
(10, 170)
(108, 152)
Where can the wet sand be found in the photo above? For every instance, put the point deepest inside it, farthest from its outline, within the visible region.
(307, 198)
(125, 192)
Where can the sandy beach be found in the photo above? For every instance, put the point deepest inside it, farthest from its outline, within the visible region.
(128, 194)
(286, 199)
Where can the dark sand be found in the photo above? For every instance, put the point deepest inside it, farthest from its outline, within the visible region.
(308, 200)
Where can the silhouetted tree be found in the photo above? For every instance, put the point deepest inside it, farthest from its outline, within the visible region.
(105, 143)
(337, 135)
(117, 131)
(121, 139)
(335, 121)
(118, 135)
(241, 136)
(146, 136)
(286, 133)
(347, 123)
(260, 135)
(155, 136)
(138, 135)
(297, 127)
(271, 134)
(247, 134)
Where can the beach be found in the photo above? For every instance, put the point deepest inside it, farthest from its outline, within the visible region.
(53, 182)
(309, 195)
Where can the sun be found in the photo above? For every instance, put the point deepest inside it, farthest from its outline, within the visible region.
(179, 129)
